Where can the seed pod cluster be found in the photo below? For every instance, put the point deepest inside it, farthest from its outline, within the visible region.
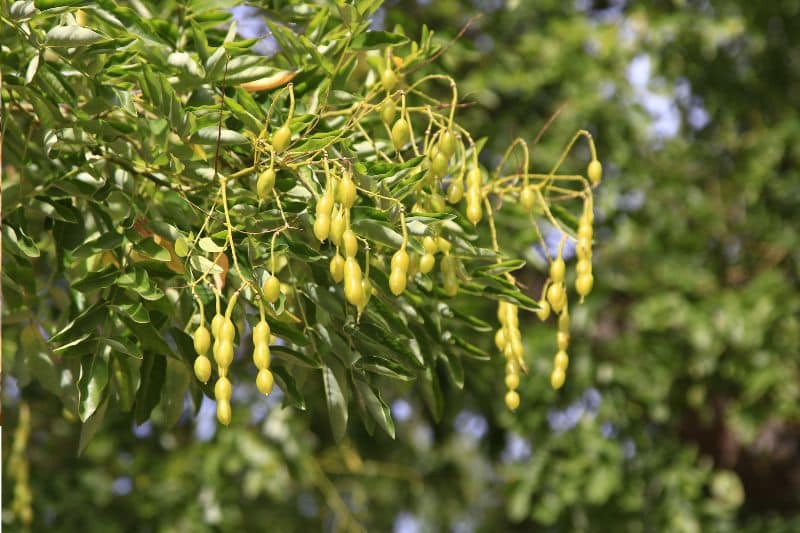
(561, 359)
(584, 280)
(399, 272)
(508, 340)
(202, 364)
(428, 260)
(224, 336)
(474, 198)
(353, 280)
(322, 223)
(262, 358)
(557, 291)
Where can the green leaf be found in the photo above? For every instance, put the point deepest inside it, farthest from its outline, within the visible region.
(385, 367)
(289, 387)
(176, 383)
(91, 425)
(432, 392)
(71, 36)
(121, 345)
(152, 374)
(101, 243)
(207, 244)
(296, 356)
(337, 406)
(92, 384)
(376, 39)
(96, 280)
(377, 231)
(149, 248)
(376, 406)
(138, 281)
(209, 136)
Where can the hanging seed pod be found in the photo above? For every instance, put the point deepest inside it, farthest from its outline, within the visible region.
(265, 183)
(280, 139)
(272, 289)
(400, 133)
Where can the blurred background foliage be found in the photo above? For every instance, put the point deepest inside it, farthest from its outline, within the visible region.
(680, 412)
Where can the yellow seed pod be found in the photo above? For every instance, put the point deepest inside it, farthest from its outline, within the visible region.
(272, 289)
(563, 322)
(562, 338)
(585, 231)
(512, 366)
(440, 164)
(388, 111)
(202, 340)
(430, 245)
(338, 225)
(557, 378)
(261, 333)
(450, 285)
(502, 310)
(227, 331)
(322, 227)
(455, 191)
(474, 212)
(280, 139)
(512, 381)
(512, 400)
(202, 368)
(443, 245)
(366, 290)
(512, 319)
(544, 310)
(265, 183)
(413, 265)
(397, 282)
(265, 381)
(223, 389)
(508, 351)
(561, 360)
(527, 198)
(224, 353)
(325, 203)
(500, 339)
(447, 143)
(261, 355)
(557, 269)
(584, 266)
(474, 178)
(224, 412)
(347, 191)
(388, 78)
(353, 291)
(437, 203)
(518, 349)
(583, 284)
(350, 243)
(400, 133)
(594, 171)
(216, 323)
(427, 263)
(555, 296)
(337, 268)
(400, 260)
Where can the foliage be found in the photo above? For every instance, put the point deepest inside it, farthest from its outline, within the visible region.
(680, 404)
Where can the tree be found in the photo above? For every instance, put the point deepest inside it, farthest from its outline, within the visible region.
(168, 190)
